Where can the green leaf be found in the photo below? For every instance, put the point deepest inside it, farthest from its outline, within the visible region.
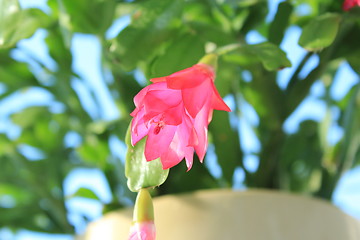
(157, 14)
(141, 173)
(280, 23)
(29, 116)
(85, 193)
(8, 8)
(17, 194)
(134, 45)
(94, 151)
(37, 128)
(16, 24)
(5, 145)
(14, 75)
(177, 56)
(88, 16)
(211, 33)
(256, 16)
(29, 216)
(148, 34)
(270, 55)
(320, 32)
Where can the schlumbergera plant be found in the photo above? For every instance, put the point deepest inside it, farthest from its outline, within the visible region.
(69, 72)
(170, 123)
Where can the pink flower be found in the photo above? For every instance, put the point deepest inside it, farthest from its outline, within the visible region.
(174, 113)
(348, 4)
(142, 231)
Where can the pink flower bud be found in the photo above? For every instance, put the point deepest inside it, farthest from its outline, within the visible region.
(143, 231)
(174, 113)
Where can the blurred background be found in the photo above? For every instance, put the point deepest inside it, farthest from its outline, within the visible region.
(69, 71)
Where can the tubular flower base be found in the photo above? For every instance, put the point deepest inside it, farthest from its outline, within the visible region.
(348, 4)
(143, 231)
(174, 113)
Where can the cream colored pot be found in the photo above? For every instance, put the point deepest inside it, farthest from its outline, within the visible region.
(225, 214)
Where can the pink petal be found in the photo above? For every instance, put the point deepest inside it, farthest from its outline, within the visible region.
(152, 116)
(217, 102)
(170, 115)
(138, 99)
(195, 98)
(158, 102)
(153, 104)
(193, 140)
(189, 156)
(138, 128)
(179, 147)
(158, 142)
(136, 110)
(175, 153)
(187, 132)
(173, 116)
(170, 158)
(169, 97)
(201, 125)
(190, 77)
(163, 103)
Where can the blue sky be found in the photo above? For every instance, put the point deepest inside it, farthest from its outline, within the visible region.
(86, 51)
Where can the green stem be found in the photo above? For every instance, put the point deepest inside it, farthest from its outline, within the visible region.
(328, 184)
(294, 78)
(267, 175)
(227, 48)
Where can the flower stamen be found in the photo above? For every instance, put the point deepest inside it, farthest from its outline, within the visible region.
(159, 125)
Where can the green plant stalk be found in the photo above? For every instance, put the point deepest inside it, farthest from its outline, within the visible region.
(267, 175)
(227, 48)
(294, 78)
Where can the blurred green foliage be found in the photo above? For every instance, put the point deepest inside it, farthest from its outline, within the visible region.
(163, 37)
